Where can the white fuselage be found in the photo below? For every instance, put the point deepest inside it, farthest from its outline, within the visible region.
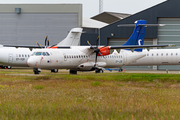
(158, 57)
(79, 59)
(14, 57)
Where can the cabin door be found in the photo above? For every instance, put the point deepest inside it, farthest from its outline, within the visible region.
(10, 58)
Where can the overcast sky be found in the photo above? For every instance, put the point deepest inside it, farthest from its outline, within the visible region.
(91, 7)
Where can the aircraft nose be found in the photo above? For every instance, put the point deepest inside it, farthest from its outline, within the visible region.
(31, 62)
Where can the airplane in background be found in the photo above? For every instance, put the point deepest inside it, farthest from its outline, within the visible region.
(15, 56)
(89, 58)
(158, 57)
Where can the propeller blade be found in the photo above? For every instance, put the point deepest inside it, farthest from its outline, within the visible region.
(46, 40)
(89, 43)
(95, 60)
(39, 44)
(97, 41)
(101, 55)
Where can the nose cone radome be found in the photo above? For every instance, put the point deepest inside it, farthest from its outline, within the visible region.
(31, 62)
(133, 56)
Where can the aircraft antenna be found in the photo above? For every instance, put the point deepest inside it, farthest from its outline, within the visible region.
(100, 6)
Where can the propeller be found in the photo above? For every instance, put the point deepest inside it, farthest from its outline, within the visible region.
(46, 42)
(96, 50)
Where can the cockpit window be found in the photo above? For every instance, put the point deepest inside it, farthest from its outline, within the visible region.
(47, 54)
(40, 53)
(44, 54)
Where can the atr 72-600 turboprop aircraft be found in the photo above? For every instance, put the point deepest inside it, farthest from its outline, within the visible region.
(88, 58)
(17, 57)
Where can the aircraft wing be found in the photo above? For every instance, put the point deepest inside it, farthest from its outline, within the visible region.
(132, 46)
(23, 46)
(34, 46)
(105, 50)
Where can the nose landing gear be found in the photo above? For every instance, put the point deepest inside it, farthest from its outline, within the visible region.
(36, 70)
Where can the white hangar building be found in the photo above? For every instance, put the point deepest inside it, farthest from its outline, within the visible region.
(24, 24)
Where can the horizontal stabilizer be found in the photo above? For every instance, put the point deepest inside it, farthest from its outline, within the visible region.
(146, 25)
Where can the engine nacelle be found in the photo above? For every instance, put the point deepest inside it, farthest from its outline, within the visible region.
(104, 51)
(53, 47)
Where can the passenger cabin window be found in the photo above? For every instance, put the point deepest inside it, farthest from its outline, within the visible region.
(166, 54)
(171, 54)
(19, 55)
(147, 54)
(176, 53)
(157, 54)
(161, 54)
(152, 54)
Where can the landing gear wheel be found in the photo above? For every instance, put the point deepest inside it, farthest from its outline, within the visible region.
(54, 70)
(99, 71)
(8, 67)
(36, 71)
(73, 72)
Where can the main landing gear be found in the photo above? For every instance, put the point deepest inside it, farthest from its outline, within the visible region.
(73, 72)
(5, 67)
(54, 70)
(99, 71)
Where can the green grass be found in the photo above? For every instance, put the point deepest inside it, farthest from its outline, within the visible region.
(88, 96)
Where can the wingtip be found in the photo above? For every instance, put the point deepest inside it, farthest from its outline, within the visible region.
(171, 45)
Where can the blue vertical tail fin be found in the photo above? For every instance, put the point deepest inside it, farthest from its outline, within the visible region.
(137, 37)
